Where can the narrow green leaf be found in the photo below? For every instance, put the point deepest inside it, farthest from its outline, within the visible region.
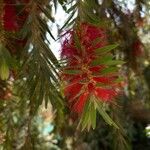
(71, 23)
(105, 116)
(93, 18)
(96, 41)
(106, 49)
(115, 62)
(72, 71)
(77, 42)
(119, 80)
(68, 20)
(41, 91)
(85, 121)
(55, 5)
(102, 60)
(93, 116)
(91, 3)
(109, 70)
(88, 13)
(85, 116)
(46, 98)
(71, 8)
(44, 26)
(4, 70)
(102, 85)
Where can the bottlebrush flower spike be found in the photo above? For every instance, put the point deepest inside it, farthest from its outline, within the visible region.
(88, 36)
(10, 16)
(90, 69)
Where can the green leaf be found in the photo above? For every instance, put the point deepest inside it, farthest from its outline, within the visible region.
(4, 70)
(44, 26)
(88, 117)
(55, 5)
(93, 116)
(119, 80)
(109, 70)
(106, 49)
(104, 115)
(102, 60)
(96, 41)
(85, 116)
(48, 12)
(68, 20)
(46, 98)
(88, 13)
(93, 18)
(5, 62)
(85, 121)
(77, 41)
(115, 62)
(71, 8)
(102, 85)
(71, 23)
(72, 71)
(4, 52)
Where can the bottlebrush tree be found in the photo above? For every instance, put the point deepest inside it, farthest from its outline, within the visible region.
(92, 87)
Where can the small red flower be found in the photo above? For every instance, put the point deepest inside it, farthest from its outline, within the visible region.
(79, 48)
(137, 48)
(72, 90)
(105, 94)
(10, 16)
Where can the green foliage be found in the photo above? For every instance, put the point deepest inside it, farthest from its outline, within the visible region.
(40, 67)
(106, 49)
(72, 71)
(5, 62)
(88, 118)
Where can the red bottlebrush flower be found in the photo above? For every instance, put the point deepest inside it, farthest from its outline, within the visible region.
(10, 16)
(21, 42)
(85, 79)
(91, 33)
(105, 94)
(97, 68)
(68, 48)
(89, 36)
(80, 102)
(138, 49)
(72, 90)
(103, 79)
